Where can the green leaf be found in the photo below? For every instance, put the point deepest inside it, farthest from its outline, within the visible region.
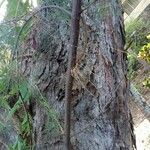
(17, 8)
(23, 88)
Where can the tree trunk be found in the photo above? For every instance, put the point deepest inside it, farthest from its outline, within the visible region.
(101, 118)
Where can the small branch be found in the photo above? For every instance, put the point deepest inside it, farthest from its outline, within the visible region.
(75, 27)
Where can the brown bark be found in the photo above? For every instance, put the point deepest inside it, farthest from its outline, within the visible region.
(101, 117)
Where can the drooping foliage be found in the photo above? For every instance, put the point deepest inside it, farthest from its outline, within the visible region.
(16, 91)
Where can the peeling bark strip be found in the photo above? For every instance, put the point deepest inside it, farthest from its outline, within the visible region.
(76, 12)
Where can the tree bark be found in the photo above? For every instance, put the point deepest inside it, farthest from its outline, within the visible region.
(101, 119)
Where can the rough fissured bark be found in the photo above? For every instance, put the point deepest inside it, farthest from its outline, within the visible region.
(101, 117)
